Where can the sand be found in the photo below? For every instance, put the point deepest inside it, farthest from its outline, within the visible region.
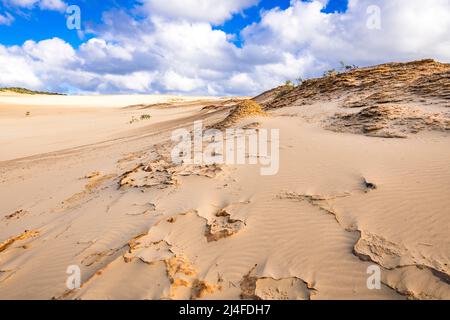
(39, 124)
(82, 186)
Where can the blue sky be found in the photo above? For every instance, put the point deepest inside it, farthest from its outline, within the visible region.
(38, 24)
(214, 47)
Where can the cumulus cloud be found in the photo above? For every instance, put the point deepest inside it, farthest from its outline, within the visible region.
(407, 31)
(15, 70)
(173, 81)
(216, 11)
(51, 53)
(173, 49)
(140, 81)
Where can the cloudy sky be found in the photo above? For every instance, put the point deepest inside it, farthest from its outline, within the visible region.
(213, 47)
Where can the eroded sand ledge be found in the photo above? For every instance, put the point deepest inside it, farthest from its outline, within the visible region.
(142, 228)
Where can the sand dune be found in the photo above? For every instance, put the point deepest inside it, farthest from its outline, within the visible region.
(359, 185)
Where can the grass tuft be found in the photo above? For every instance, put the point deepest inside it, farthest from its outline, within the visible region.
(246, 108)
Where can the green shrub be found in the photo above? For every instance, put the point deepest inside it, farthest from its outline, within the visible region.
(146, 117)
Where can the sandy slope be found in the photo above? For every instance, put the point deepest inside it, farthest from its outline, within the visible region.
(141, 227)
(38, 124)
(91, 101)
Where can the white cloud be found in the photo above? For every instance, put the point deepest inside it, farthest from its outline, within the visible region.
(100, 49)
(56, 5)
(409, 30)
(52, 52)
(216, 11)
(6, 19)
(173, 81)
(136, 81)
(24, 3)
(15, 70)
(178, 50)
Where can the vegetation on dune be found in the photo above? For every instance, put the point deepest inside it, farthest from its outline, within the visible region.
(26, 91)
(141, 118)
(246, 108)
(344, 68)
(348, 67)
(421, 80)
(290, 87)
(285, 89)
(145, 117)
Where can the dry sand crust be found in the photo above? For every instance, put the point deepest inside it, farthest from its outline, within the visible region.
(82, 186)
